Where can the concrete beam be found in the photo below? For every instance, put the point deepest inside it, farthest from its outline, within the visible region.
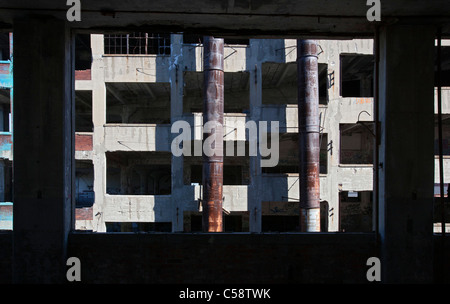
(289, 17)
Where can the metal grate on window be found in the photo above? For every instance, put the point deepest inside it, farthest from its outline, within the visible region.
(137, 44)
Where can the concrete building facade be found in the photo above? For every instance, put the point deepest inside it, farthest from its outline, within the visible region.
(126, 177)
(44, 237)
(125, 155)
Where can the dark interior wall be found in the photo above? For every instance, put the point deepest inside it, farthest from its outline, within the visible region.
(223, 258)
(6, 239)
(238, 258)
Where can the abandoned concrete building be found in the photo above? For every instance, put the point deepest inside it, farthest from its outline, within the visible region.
(98, 167)
(132, 139)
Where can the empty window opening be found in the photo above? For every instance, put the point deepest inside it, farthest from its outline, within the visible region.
(236, 92)
(324, 148)
(357, 75)
(6, 182)
(437, 211)
(137, 43)
(84, 184)
(5, 110)
(445, 135)
(280, 216)
(288, 162)
(232, 222)
(445, 67)
(325, 214)
(83, 111)
(355, 211)
(235, 170)
(146, 103)
(280, 223)
(83, 52)
(280, 85)
(138, 173)
(4, 47)
(138, 227)
(356, 143)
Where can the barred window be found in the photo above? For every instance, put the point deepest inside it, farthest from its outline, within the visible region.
(137, 43)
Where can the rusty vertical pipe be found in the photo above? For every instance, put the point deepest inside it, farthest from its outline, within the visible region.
(309, 148)
(213, 107)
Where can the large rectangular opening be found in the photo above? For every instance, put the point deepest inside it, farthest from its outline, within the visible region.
(355, 211)
(289, 155)
(357, 72)
(138, 173)
(141, 103)
(280, 83)
(235, 170)
(232, 222)
(84, 184)
(356, 145)
(83, 111)
(5, 110)
(236, 92)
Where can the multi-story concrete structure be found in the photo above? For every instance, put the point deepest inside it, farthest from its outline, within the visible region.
(137, 85)
(43, 238)
(124, 155)
(128, 180)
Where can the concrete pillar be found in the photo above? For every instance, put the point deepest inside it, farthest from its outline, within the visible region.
(331, 122)
(254, 67)
(406, 107)
(98, 139)
(43, 149)
(176, 112)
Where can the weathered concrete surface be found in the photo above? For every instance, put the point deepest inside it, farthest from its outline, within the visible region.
(137, 137)
(123, 68)
(137, 208)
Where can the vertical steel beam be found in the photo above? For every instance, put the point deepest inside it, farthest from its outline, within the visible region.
(213, 106)
(309, 148)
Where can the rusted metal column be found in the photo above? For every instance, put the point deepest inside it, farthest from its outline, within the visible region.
(309, 147)
(213, 105)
